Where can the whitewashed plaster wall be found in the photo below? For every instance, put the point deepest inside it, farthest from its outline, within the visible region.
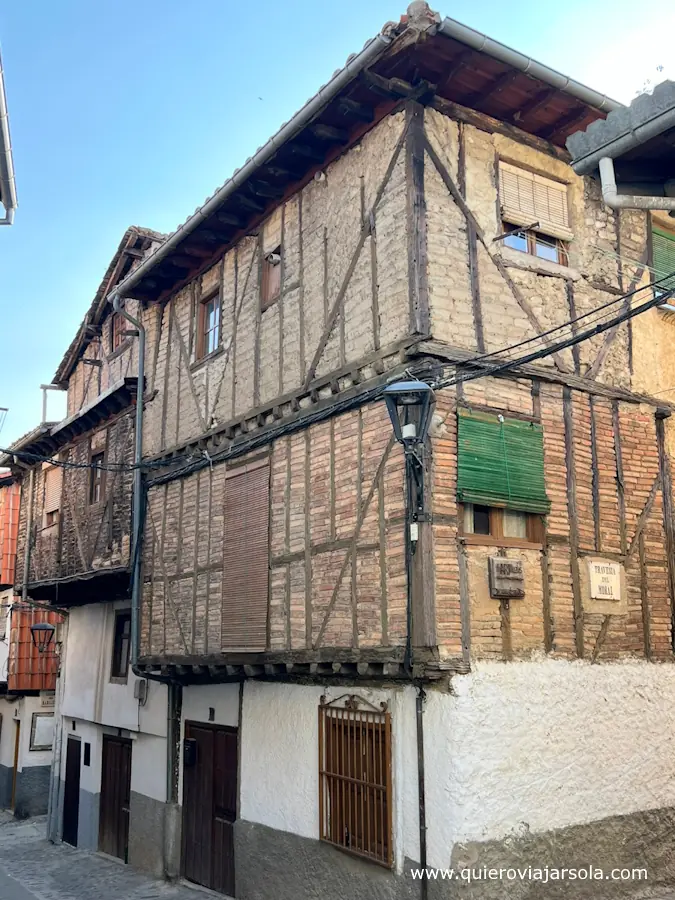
(280, 759)
(88, 693)
(513, 747)
(27, 757)
(6, 599)
(531, 746)
(148, 758)
(8, 731)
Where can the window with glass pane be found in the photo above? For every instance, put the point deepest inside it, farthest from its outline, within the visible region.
(208, 338)
(121, 644)
(96, 476)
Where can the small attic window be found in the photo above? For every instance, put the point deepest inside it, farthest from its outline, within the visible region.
(271, 278)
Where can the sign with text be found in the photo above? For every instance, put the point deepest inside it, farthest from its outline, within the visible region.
(605, 579)
(507, 578)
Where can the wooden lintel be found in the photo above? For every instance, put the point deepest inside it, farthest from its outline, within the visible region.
(461, 113)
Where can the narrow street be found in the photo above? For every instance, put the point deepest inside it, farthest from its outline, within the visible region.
(31, 868)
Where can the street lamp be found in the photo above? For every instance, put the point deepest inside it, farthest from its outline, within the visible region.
(409, 404)
(42, 634)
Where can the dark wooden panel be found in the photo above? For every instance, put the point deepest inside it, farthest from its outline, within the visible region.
(210, 806)
(113, 833)
(71, 794)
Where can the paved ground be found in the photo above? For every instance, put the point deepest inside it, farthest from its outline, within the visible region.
(33, 869)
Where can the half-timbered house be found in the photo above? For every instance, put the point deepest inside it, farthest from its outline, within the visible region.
(74, 555)
(340, 709)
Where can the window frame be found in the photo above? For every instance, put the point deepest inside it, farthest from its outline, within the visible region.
(96, 477)
(530, 236)
(339, 773)
(270, 289)
(535, 527)
(121, 616)
(202, 343)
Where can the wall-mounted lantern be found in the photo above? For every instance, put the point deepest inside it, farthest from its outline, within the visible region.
(42, 634)
(409, 404)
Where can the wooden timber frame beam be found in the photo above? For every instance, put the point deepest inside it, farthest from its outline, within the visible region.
(330, 665)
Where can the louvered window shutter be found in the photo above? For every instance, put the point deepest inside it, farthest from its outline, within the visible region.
(526, 198)
(53, 481)
(501, 463)
(246, 557)
(664, 257)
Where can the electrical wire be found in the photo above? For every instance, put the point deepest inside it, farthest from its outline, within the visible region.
(196, 460)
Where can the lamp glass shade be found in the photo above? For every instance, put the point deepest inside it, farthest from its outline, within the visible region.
(409, 404)
(42, 634)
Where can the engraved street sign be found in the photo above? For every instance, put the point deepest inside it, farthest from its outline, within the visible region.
(605, 579)
(506, 577)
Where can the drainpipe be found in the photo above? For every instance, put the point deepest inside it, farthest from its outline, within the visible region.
(615, 200)
(138, 483)
(421, 791)
(174, 692)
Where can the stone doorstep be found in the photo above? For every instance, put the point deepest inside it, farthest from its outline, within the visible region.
(199, 888)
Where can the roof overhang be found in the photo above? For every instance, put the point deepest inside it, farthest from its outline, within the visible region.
(133, 246)
(640, 138)
(49, 438)
(7, 180)
(99, 586)
(420, 58)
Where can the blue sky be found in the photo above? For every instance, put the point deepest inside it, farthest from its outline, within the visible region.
(132, 114)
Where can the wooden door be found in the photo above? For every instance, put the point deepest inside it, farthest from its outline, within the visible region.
(113, 823)
(209, 805)
(17, 744)
(71, 794)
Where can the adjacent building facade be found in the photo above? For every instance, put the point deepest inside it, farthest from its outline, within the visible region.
(321, 703)
(75, 551)
(27, 679)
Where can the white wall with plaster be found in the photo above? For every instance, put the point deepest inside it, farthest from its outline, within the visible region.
(531, 746)
(6, 600)
(280, 758)
(89, 693)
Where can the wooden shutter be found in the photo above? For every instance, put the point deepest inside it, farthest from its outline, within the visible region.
(53, 476)
(526, 198)
(246, 557)
(664, 257)
(501, 463)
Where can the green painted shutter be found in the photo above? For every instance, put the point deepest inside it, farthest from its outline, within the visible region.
(501, 463)
(664, 256)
